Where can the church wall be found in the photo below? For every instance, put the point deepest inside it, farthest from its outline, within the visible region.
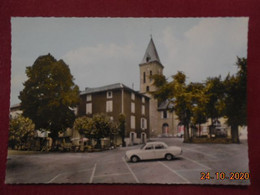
(151, 66)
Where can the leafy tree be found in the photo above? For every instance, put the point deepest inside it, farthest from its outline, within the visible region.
(49, 95)
(177, 92)
(102, 127)
(199, 101)
(214, 91)
(21, 133)
(236, 98)
(83, 125)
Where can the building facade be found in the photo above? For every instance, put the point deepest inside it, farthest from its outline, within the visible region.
(115, 99)
(162, 121)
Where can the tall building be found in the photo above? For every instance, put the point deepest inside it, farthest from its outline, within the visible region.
(115, 99)
(162, 121)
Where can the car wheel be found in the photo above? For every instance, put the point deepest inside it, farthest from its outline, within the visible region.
(168, 157)
(134, 159)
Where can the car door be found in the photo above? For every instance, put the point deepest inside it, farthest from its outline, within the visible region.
(148, 152)
(160, 150)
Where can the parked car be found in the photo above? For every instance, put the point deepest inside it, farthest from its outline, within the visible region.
(153, 150)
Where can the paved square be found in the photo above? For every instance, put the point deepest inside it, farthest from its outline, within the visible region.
(111, 166)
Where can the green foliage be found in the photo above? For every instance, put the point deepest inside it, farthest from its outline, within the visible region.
(164, 88)
(236, 95)
(214, 92)
(196, 102)
(199, 101)
(49, 94)
(100, 126)
(121, 119)
(83, 125)
(21, 133)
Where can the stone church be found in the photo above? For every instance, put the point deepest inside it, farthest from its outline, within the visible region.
(162, 122)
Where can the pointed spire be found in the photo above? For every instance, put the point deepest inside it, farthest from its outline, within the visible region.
(151, 54)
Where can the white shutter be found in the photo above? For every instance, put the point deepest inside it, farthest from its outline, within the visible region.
(132, 107)
(89, 108)
(132, 122)
(109, 106)
(89, 98)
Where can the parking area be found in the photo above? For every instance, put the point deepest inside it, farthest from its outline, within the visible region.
(111, 166)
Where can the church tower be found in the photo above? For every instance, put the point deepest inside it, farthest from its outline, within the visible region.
(162, 122)
(149, 66)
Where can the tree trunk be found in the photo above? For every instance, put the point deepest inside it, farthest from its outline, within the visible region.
(210, 128)
(98, 145)
(234, 134)
(199, 130)
(186, 134)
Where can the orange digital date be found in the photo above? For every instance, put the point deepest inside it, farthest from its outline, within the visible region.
(223, 176)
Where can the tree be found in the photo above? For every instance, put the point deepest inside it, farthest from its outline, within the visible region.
(214, 91)
(199, 101)
(176, 90)
(236, 98)
(121, 119)
(21, 133)
(102, 127)
(83, 125)
(49, 95)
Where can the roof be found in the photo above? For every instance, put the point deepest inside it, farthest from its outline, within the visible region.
(15, 106)
(151, 54)
(166, 105)
(89, 90)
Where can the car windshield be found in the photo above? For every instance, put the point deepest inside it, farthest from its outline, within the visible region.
(142, 146)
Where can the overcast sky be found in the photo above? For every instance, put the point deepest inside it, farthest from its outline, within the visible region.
(101, 51)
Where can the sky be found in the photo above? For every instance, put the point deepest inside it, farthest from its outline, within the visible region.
(103, 51)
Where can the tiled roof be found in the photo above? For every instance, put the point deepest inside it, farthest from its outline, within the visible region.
(151, 54)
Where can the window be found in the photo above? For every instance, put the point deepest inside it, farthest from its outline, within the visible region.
(132, 107)
(164, 114)
(159, 146)
(111, 118)
(147, 88)
(143, 123)
(89, 98)
(144, 77)
(109, 106)
(143, 100)
(89, 108)
(109, 94)
(132, 122)
(132, 96)
(151, 74)
(149, 147)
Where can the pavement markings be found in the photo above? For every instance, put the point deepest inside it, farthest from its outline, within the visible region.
(136, 179)
(93, 173)
(82, 170)
(55, 178)
(206, 167)
(187, 181)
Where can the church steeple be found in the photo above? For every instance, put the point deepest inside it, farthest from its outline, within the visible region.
(149, 66)
(151, 54)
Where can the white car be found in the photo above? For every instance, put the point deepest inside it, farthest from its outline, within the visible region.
(153, 150)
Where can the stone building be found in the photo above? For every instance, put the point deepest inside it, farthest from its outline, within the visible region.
(162, 121)
(115, 99)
